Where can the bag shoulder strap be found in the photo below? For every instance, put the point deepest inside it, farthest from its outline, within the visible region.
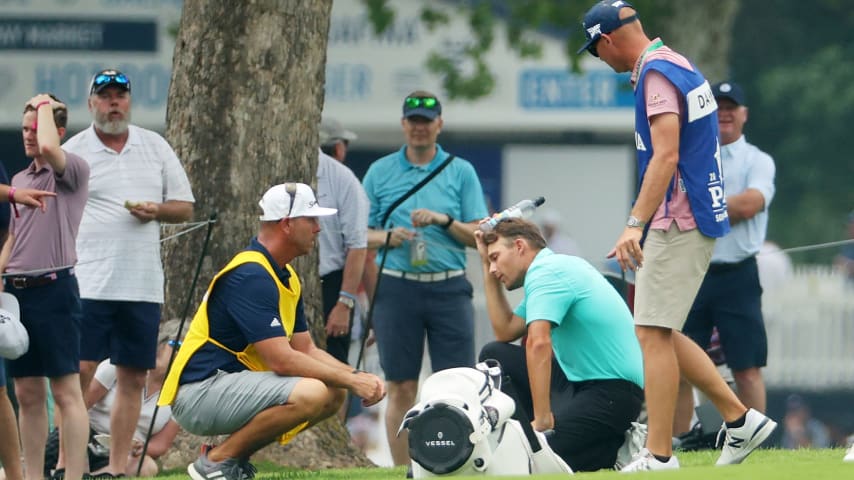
(415, 188)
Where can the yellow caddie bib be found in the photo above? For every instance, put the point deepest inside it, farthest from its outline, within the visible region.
(199, 332)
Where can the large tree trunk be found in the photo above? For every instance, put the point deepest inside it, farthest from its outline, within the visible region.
(244, 106)
(702, 31)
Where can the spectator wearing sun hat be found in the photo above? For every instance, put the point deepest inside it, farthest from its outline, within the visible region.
(335, 139)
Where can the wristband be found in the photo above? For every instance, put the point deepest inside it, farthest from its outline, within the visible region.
(43, 102)
(12, 201)
(449, 222)
(347, 295)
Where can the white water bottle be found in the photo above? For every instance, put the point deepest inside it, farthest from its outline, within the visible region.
(523, 209)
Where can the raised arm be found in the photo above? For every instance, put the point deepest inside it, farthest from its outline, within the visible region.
(47, 133)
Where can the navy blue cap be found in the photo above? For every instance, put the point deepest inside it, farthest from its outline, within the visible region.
(604, 17)
(730, 90)
(107, 78)
(414, 106)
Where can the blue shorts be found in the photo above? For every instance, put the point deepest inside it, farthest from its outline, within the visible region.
(406, 310)
(51, 314)
(125, 332)
(730, 299)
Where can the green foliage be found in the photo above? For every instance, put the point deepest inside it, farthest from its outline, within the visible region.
(380, 15)
(798, 79)
(433, 19)
(464, 71)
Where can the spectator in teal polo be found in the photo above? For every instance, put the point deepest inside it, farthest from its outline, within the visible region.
(424, 290)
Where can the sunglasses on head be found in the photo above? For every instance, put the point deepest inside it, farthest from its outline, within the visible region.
(291, 188)
(107, 78)
(425, 102)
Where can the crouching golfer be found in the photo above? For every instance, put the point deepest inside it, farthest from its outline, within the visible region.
(248, 366)
(580, 372)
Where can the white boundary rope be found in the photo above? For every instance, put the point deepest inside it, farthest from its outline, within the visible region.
(188, 227)
(192, 226)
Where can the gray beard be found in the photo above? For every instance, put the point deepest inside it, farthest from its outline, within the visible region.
(114, 127)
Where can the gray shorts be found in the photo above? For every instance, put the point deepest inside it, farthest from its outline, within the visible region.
(225, 402)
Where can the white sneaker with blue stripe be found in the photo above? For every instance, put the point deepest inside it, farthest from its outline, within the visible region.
(740, 442)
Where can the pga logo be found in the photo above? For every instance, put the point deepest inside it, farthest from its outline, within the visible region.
(717, 194)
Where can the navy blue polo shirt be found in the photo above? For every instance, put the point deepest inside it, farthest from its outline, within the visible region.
(241, 308)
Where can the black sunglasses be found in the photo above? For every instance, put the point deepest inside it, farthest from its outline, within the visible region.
(416, 102)
(592, 47)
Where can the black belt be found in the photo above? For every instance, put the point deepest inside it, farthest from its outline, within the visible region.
(724, 267)
(30, 281)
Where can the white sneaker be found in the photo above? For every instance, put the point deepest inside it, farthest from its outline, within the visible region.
(849, 456)
(646, 461)
(739, 442)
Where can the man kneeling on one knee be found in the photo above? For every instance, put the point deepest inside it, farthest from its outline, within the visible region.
(248, 366)
(580, 371)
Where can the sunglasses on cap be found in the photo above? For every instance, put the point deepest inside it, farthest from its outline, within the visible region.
(421, 102)
(110, 78)
(291, 189)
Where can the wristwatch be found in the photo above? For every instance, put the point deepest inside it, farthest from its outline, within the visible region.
(634, 222)
(348, 302)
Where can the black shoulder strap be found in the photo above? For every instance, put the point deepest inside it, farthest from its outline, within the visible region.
(414, 189)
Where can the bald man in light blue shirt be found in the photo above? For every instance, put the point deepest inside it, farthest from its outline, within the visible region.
(730, 297)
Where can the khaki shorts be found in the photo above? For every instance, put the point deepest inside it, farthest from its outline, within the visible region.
(674, 265)
(225, 402)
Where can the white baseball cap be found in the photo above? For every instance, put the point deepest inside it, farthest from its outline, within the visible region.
(276, 203)
(14, 340)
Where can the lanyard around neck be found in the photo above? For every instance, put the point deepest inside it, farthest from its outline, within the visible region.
(655, 46)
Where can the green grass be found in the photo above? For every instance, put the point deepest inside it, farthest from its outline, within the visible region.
(824, 464)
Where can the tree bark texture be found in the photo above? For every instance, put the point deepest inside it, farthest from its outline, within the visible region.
(244, 106)
(702, 31)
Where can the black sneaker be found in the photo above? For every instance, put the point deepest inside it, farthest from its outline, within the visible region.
(102, 476)
(248, 470)
(204, 469)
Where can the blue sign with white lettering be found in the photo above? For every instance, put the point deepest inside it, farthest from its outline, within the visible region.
(74, 34)
(558, 88)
